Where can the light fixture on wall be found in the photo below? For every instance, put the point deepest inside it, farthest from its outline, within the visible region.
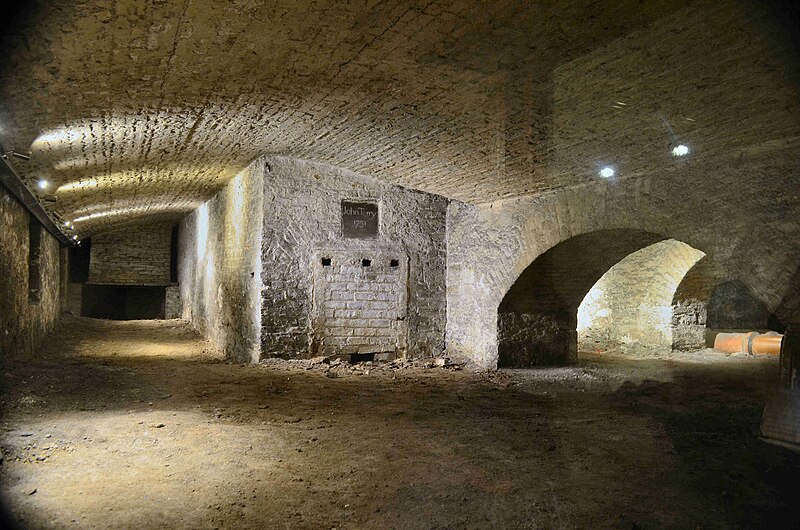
(22, 155)
(607, 172)
(43, 184)
(680, 150)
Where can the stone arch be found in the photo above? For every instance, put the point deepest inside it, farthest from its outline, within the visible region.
(708, 300)
(490, 246)
(537, 317)
(630, 308)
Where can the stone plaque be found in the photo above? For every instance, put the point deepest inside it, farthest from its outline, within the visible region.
(359, 220)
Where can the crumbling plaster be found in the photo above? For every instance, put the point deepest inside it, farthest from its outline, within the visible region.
(247, 262)
(303, 223)
(219, 263)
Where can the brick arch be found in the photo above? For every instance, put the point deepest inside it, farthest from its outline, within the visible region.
(537, 317)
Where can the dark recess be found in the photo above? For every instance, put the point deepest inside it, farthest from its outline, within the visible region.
(34, 257)
(79, 261)
(122, 302)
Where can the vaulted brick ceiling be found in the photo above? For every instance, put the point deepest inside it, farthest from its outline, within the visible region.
(140, 110)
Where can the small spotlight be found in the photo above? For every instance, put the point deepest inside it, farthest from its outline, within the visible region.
(607, 172)
(75, 237)
(43, 184)
(680, 150)
(67, 224)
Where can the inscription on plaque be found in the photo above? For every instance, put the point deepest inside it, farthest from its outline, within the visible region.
(359, 220)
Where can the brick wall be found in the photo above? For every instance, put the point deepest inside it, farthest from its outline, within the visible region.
(136, 255)
(302, 217)
(24, 323)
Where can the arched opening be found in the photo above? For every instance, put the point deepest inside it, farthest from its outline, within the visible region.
(627, 291)
(630, 308)
(708, 301)
(733, 305)
(537, 318)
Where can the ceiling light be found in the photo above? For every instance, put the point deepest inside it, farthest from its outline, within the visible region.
(680, 150)
(43, 184)
(607, 172)
(67, 223)
(75, 237)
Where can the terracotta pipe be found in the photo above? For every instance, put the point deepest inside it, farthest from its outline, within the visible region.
(752, 343)
(767, 344)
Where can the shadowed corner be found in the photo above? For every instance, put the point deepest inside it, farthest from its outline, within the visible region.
(780, 424)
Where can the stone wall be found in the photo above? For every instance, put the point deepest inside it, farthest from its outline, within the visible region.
(302, 224)
(135, 255)
(172, 302)
(489, 247)
(219, 270)
(690, 305)
(734, 197)
(734, 305)
(25, 321)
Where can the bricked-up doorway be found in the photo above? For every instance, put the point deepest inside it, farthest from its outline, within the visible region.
(537, 318)
(360, 302)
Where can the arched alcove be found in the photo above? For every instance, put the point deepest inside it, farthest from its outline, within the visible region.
(733, 305)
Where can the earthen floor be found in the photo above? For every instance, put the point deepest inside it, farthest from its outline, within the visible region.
(141, 425)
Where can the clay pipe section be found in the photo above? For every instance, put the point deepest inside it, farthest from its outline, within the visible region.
(752, 343)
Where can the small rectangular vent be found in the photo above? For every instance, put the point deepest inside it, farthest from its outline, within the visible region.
(361, 357)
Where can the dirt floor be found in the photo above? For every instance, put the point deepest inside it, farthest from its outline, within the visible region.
(141, 425)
